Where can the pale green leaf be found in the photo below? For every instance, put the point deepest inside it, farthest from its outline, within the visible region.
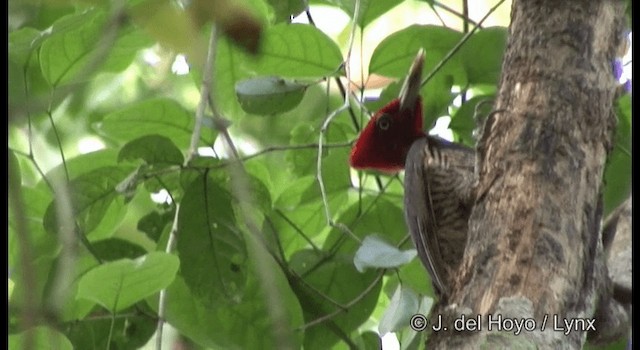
(75, 42)
(403, 305)
(298, 51)
(119, 284)
(159, 116)
(269, 95)
(377, 253)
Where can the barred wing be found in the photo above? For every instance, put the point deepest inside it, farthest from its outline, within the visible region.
(437, 201)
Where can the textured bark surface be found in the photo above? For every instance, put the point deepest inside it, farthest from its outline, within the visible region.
(534, 250)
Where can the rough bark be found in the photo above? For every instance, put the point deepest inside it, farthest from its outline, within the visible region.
(534, 251)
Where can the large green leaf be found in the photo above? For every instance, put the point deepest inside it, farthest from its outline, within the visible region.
(482, 55)
(130, 330)
(211, 247)
(287, 50)
(119, 284)
(91, 196)
(160, 116)
(393, 56)
(115, 248)
(81, 164)
(152, 149)
(246, 325)
(297, 51)
(75, 41)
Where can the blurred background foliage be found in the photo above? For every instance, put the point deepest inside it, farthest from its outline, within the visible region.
(102, 105)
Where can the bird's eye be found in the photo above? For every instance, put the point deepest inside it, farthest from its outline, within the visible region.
(384, 122)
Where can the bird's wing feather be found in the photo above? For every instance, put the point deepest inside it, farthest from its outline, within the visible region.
(438, 182)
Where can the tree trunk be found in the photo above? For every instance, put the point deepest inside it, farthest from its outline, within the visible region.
(534, 251)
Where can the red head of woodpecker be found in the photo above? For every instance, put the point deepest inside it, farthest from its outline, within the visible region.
(385, 141)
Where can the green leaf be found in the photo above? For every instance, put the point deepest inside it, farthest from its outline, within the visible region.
(415, 276)
(299, 212)
(40, 338)
(297, 51)
(229, 68)
(436, 98)
(164, 116)
(119, 284)
(153, 149)
(80, 165)
(77, 40)
(269, 95)
(91, 195)
(463, 121)
(404, 304)
(24, 69)
(247, 325)
(128, 333)
(369, 9)
(369, 340)
(482, 55)
(335, 280)
(285, 9)
(371, 215)
(394, 55)
(617, 174)
(154, 223)
(287, 50)
(211, 247)
(115, 248)
(375, 252)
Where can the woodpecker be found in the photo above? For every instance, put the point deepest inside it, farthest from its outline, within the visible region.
(438, 177)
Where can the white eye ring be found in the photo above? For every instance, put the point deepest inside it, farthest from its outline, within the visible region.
(384, 122)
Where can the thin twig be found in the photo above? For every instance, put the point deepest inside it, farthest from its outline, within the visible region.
(193, 147)
(297, 229)
(27, 277)
(162, 301)
(455, 49)
(343, 91)
(204, 98)
(437, 14)
(324, 128)
(455, 13)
